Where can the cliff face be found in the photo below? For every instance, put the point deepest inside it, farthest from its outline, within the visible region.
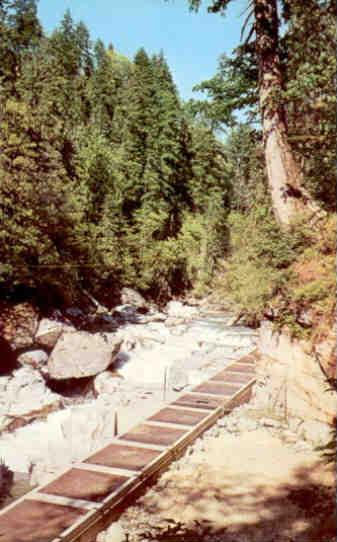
(295, 373)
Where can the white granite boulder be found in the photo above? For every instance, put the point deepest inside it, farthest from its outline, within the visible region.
(26, 394)
(49, 331)
(80, 354)
(33, 358)
(134, 298)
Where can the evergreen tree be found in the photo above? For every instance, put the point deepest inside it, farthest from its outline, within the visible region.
(20, 33)
(40, 207)
(163, 183)
(286, 183)
(139, 118)
(71, 59)
(309, 55)
(204, 230)
(106, 89)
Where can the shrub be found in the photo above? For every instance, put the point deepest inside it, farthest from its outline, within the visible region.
(258, 266)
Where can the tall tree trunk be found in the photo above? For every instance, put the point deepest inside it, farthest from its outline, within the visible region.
(284, 173)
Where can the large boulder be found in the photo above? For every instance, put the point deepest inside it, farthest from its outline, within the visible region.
(25, 396)
(49, 331)
(33, 358)
(18, 324)
(80, 354)
(131, 297)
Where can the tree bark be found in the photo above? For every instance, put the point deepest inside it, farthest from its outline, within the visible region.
(285, 177)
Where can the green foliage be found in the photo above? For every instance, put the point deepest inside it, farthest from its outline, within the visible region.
(107, 178)
(233, 89)
(20, 33)
(312, 292)
(245, 164)
(308, 68)
(257, 269)
(315, 282)
(309, 57)
(40, 207)
(268, 268)
(212, 5)
(101, 172)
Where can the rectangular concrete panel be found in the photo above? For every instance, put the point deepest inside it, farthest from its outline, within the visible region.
(124, 457)
(224, 390)
(242, 368)
(228, 377)
(84, 484)
(184, 417)
(148, 434)
(34, 521)
(199, 401)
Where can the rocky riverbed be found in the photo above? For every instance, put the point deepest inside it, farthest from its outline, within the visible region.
(63, 400)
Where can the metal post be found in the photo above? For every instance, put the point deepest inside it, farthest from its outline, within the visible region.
(116, 424)
(165, 384)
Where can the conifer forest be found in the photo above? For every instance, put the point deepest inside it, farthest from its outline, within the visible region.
(109, 179)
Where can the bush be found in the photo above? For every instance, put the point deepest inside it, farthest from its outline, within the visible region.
(260, 258)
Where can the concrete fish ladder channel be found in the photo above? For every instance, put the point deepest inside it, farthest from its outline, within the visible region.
(87, 497)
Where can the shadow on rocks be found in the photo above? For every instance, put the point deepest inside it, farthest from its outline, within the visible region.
(8, 358)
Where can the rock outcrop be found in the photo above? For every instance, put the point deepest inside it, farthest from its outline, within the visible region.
(24, 396)
(294, 381)
(134, 298)
(48, 332)
(80, 354)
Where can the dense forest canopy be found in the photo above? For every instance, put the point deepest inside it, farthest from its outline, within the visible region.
(104, 179)
(107, 178)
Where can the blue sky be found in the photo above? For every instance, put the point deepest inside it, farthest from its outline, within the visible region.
(192, 43)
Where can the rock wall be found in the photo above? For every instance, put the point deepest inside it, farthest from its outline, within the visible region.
(291, 380)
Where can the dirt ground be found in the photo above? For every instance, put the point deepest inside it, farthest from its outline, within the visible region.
(247, 488)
